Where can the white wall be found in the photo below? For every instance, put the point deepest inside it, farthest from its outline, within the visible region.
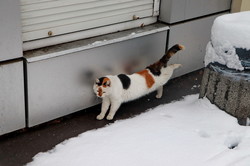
(10, 30)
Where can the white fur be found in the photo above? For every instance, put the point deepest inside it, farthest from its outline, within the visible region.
(115, 95)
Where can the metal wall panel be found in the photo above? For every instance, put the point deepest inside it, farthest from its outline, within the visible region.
(10, 30)
(12, 112)
(172, 11)
(194, 35)
(58, 86)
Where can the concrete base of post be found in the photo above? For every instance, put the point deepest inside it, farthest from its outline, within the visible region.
(228, 89)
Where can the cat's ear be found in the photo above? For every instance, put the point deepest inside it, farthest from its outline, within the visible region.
(97, 81)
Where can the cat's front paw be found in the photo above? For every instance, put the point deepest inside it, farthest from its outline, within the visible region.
(100, 117)
(110, 117)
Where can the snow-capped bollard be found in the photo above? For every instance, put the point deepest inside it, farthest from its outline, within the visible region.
(226, 79)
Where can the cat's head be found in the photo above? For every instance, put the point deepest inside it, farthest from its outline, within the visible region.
(102, 87)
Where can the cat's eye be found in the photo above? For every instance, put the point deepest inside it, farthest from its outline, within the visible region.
(106, 83)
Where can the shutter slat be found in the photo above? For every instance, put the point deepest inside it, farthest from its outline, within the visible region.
(86, 18)
(78, 7)
(28, 2)
(79, 26)
(81, 13)
(68, 16)
(61, 3)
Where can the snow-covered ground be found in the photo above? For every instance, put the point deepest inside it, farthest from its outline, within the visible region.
(190, 132)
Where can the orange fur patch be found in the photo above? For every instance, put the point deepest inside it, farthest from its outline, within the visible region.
(181, 47)
(105, 80)
(149, 79)
(99, 91)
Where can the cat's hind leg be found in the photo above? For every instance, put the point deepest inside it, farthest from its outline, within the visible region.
(159, 92)
(114, 107)
(104, 109)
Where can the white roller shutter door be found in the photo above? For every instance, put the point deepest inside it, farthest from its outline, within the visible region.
(48, 18)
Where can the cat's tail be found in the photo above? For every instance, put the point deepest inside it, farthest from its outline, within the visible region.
(171, 52)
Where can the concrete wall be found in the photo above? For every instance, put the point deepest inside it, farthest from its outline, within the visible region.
(240, 5)
(245, 6)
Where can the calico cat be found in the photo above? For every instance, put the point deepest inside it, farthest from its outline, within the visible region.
(117, 89)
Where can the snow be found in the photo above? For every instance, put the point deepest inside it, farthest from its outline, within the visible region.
(195, 87)
(224, 54)
(98, 42)
(228, 32)
(190, 132)
(233, 28)
(133, 33)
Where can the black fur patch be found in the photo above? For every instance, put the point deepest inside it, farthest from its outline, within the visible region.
(155, 68)
(125, 80)
(156, 72)
(175, 48)
(170, 53)
(101, 80)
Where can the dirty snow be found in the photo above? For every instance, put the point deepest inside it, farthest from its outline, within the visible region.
(229, 31)
(190, 132)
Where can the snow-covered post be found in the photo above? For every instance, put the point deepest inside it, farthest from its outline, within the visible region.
(226, 79)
